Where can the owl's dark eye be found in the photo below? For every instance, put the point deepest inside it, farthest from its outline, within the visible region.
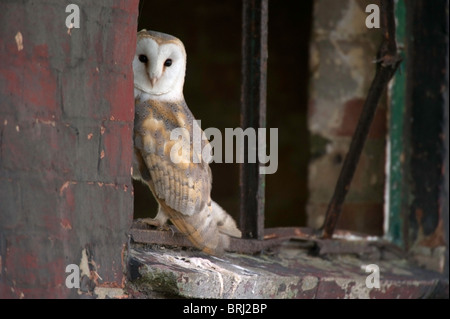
(168, 62)
(143, 58)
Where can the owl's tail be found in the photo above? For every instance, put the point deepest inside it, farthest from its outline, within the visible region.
(225, 222)
(209, 230)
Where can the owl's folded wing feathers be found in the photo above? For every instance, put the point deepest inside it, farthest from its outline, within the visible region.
(181, 186)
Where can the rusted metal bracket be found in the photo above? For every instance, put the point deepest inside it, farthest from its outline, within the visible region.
(272, 237)
(343, 241)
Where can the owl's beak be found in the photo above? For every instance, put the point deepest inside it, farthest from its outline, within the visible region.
(153, 81)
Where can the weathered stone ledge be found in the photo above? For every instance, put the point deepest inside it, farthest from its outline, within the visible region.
(156, 272)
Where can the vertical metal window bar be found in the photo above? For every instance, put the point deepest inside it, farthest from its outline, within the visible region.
(253, 113)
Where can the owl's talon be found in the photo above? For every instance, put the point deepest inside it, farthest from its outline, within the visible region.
(150, 222)
(156, 223)
(164, 227)
(171, 229)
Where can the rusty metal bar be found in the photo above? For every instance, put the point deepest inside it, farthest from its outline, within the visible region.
(271, 238)
(389, 61)
(253, 113)
(345, 241)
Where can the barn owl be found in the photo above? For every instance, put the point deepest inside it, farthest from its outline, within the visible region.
(181, 188)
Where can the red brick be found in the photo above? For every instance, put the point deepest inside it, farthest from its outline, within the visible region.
(10, 203)
(38, 146)
(116, 144)
(30, 267)
(83, 93)
(39, 99)
(120, 93)
(350, 117)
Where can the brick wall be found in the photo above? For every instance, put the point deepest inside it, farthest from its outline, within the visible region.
(66, 121)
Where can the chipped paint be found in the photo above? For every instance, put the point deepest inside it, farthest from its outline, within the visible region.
(84, 264)
(309, 282)
(109, 293)
(69, 29)
(45, 122)
(64, 186)
(65, 224)
(19, 41)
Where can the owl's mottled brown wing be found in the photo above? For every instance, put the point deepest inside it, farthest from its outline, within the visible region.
(183, 185)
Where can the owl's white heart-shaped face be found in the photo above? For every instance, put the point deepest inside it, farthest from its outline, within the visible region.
(159, 65)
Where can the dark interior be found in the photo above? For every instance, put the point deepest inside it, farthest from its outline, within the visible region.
(211, 33)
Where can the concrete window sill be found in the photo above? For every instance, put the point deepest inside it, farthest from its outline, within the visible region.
(288, 272)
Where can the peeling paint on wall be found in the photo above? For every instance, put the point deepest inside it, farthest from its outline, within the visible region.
(19, 41)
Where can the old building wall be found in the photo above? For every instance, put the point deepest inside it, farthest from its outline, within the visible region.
(66, 121)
